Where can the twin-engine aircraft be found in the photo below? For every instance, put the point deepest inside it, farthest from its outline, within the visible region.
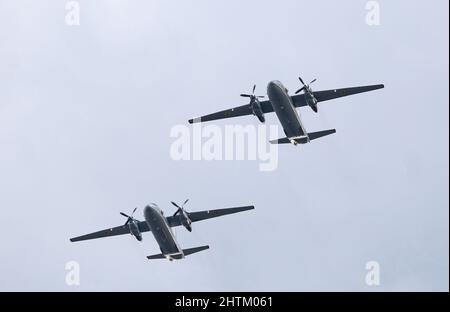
(279, 102)
(160, 226)
(285, 106)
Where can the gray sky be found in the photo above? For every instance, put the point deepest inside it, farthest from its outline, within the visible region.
(85, 117)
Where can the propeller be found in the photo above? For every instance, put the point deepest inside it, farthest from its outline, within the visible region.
(305, 86)
(129, 218)
(253, 96)
(180, 209)
(186, 221)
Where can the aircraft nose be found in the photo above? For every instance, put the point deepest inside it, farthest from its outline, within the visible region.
(147, 211)
(274, 89)
(274, 85)
(271, 85)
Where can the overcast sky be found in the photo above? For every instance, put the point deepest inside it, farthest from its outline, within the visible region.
(85, 119)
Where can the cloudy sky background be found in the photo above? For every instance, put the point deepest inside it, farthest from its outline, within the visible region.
(85, 117)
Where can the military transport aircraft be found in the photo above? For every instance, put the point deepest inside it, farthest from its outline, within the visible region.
(285, 106)
(160, 226)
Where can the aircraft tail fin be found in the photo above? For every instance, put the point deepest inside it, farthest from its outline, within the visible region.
(304, 139)
(178, 256)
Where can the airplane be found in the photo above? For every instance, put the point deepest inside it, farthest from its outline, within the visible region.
(285, 106)
(160, 226)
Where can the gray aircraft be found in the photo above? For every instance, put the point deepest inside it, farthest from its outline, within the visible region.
(285, 106)
(160, 226)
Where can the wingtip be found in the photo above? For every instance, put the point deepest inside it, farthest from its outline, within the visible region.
(243, 208)
(195, 120)
(378, 86)
(375, 86)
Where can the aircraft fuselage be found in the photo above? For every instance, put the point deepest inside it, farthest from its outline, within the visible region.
(162, 232)
(284, 108)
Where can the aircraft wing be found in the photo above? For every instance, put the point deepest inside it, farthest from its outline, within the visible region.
(207, 214)
(234, 112)
(321, 96)
(119, 230)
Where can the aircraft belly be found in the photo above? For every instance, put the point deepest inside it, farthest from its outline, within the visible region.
(166, 242)
(287, 115)
(163, 236)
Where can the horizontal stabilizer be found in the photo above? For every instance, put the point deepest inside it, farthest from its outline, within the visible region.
(303, 140)
(190, 251)
(319, 134)
(159, 256)
(186, 252)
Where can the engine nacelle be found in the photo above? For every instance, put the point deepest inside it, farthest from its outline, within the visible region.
(257, 110)
(186, 222)
(188, 225)
(311, 101)
(134, 230)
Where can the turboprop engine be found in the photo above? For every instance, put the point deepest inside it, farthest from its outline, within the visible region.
(256, 105)
(132, 224)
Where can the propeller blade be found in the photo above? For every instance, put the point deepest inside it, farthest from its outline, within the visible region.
(185, 202)
(254, 88)
(177, 212)
(301, 80)
(313, 81)
(299, 90)
(175, 205)
(246, 95)
(126, 216)
(129, 218)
